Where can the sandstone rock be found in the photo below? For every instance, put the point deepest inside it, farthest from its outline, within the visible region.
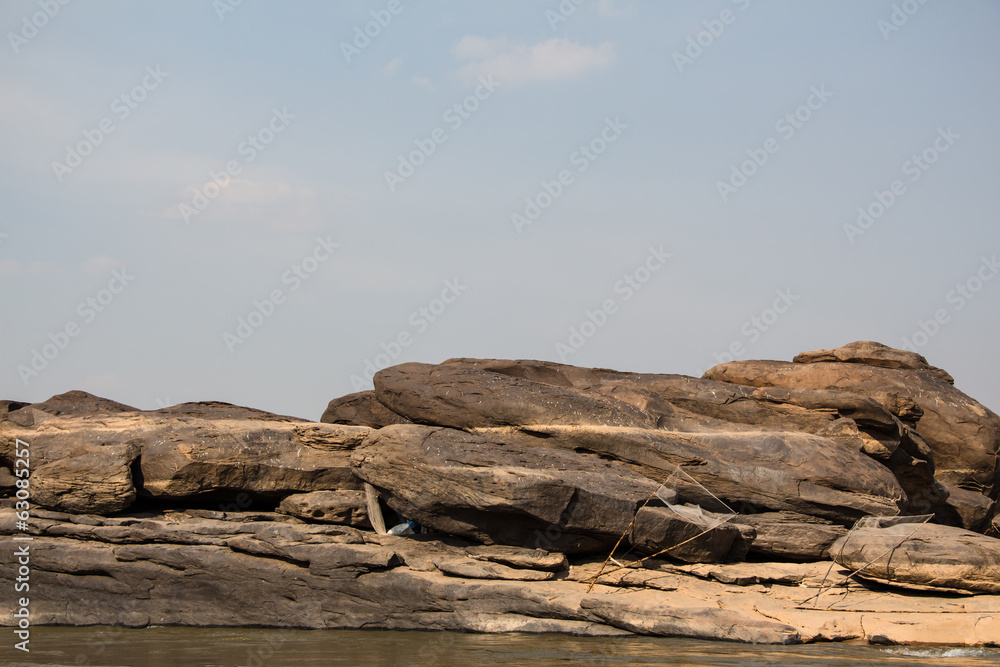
(765, 470)
(7, 407)
(459, 397)
(663, 620)
(671, 402)
(339, 507)
(517, 557)
(871, 353)
(965, 509)
(360, 409)
(681, 403)
(472, 568)
(88, 478)
(189, 456)
(89, 472)
(7, 480)
(963, 435)
(501, 493)
(187, 568)
(695, 536)
(753, 574)
(221, 410)
(791, 536)
(80, 403)
(99, 461)
(925, 555)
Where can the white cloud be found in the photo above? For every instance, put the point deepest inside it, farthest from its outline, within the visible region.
(515, 62)
(392, 66)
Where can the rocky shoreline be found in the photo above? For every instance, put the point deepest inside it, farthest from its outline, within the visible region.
(848, 495)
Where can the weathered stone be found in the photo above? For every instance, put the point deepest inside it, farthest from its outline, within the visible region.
(90, 471)
(501, 493)
(965, 509)
(176, 568)
(871, 353)
(98, 462)
(518, 557)
(339, 507)
(926, 555)
(7, 480)
(791, 536)
(360, 409)
(471, 568)
(687, 533)
(445, 395)
(765, 470)
(664, 620)
(963, 435)
(681, 403)
(79, 403)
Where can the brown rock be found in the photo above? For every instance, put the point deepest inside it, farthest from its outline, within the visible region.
(342, 506)
(361, 409)
(965, 509)
(695, 536)
(963, 435)
(501, 493)
(871, 353)
(791, 536)
(925, 555)
(460, 397)
(765, 470)
(681, 403)
(90, 471)
(182, 568)
(80, 403)
(98, 462)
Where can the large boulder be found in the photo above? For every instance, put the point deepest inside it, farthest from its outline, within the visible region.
(790, 536)
(686, 404)
(360, 409)
(870, 353)
(343, 506)
(963, 435)
(921, 554)
(262, 454)
(749, 470)
(95, 456)
(90, 474)
(448, 395)
(688, 533)
(965, 509)
(73, 402)
(501, 492)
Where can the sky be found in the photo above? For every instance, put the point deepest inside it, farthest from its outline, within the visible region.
(265, 202)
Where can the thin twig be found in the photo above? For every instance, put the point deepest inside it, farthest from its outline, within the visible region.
(630, 523)
(860, 569)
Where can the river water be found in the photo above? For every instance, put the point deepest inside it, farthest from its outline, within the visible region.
(257, 647)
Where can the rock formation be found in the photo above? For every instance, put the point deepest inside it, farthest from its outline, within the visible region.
(521, 477)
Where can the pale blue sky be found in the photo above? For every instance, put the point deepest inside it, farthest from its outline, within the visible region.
(329, 130)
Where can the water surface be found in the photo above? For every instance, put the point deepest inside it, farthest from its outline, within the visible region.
(155, 647)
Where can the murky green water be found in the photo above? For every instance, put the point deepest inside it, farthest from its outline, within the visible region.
(255, 648)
